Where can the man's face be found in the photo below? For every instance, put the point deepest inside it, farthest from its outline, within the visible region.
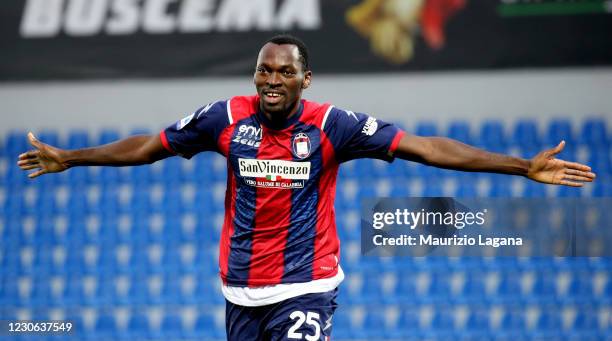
(279, 78)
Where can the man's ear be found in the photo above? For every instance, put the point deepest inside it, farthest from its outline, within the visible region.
(307, 79)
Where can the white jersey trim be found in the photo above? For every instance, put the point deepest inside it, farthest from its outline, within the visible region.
(255, 297)
(229, 112)
(325, 117)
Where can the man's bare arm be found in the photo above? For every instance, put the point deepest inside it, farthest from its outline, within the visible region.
(451, 154)
(134, 150)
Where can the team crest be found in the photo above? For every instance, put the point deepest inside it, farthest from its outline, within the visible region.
(301, 146)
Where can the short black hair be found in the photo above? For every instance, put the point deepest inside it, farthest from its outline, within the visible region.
(287, 39)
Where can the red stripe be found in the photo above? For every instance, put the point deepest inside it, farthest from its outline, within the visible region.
(230, 200)
(327, 244)
(164, 141)
(228, 224)
(272, 216)
(314, 113)
(396, 141)
(243, 107)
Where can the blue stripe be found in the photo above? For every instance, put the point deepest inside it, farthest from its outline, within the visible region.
(239, 259)
(299, 250)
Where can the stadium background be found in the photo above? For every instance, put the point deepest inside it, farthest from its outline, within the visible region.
(131, 253)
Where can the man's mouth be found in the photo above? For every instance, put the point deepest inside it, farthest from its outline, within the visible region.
(272, 97)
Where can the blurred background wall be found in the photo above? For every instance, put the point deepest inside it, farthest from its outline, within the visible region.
(506, 95)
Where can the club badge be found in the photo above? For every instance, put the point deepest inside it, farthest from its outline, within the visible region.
(301, 146)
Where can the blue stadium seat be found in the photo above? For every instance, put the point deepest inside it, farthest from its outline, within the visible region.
(534, 189)
(105, 290)
(594, 133)
(371, 290)
(474, 288)
(492, 136)
(108, 176)
(138, 326)
(425, 128)
(172, 172)
(78, 139)
(460, 130)
(373, 325)
(513, 321)
(544, 289)
(602, 187)
(107, 136)
(106, 326)
(405, 290)
(599, 161)
(204, 328)
(548, 325)
(569, 192)
(442, 324)
(526, 134)
(16, 143)
(500, 186)
(79, 177)
(341, 324)
(478, 324)
(581, 290)
(586, 319)
(74, 293)
(509, 289)
(558, 130)
(172, 327)
(138, 292)
(432, 187)
(140, 176)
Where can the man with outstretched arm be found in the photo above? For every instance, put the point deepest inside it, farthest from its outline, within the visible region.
(279, 250)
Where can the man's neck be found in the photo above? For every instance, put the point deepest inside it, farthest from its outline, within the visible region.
(281, 117)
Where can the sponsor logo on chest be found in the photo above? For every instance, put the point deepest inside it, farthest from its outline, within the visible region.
(274, 173)
(248, 135)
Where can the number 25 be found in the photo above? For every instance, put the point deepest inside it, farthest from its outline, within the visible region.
(311, 318)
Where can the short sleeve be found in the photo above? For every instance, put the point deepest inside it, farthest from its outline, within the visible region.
(357, 135)
(197, 132)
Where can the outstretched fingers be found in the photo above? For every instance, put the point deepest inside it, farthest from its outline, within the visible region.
(576, 165)
(587, 175)
(28, 159)
(37, 173)
(32, 154)
(30, 166)
(577, 178)
(571, 183)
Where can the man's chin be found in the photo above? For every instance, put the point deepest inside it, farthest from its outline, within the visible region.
(274, 109)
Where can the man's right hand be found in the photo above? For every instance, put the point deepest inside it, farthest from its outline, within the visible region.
(44, 158)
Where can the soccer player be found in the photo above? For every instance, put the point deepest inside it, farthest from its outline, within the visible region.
(279, 251)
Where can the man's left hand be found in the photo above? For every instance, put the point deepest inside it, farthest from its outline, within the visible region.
(545, 168)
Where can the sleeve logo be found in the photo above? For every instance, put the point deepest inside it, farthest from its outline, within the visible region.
(185, 121)
(370, 126)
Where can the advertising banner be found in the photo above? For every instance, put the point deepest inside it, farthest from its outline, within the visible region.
(75, 39)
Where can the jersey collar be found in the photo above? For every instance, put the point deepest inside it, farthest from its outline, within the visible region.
(286, 124)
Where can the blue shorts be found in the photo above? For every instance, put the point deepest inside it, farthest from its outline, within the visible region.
(306, 317)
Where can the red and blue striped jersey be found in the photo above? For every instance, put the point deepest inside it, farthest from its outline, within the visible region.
(279, 224)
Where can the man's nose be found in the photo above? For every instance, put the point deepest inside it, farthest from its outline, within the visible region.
(274, 79)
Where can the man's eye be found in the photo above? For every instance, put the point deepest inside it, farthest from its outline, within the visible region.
(260, 69)
(289, 73)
